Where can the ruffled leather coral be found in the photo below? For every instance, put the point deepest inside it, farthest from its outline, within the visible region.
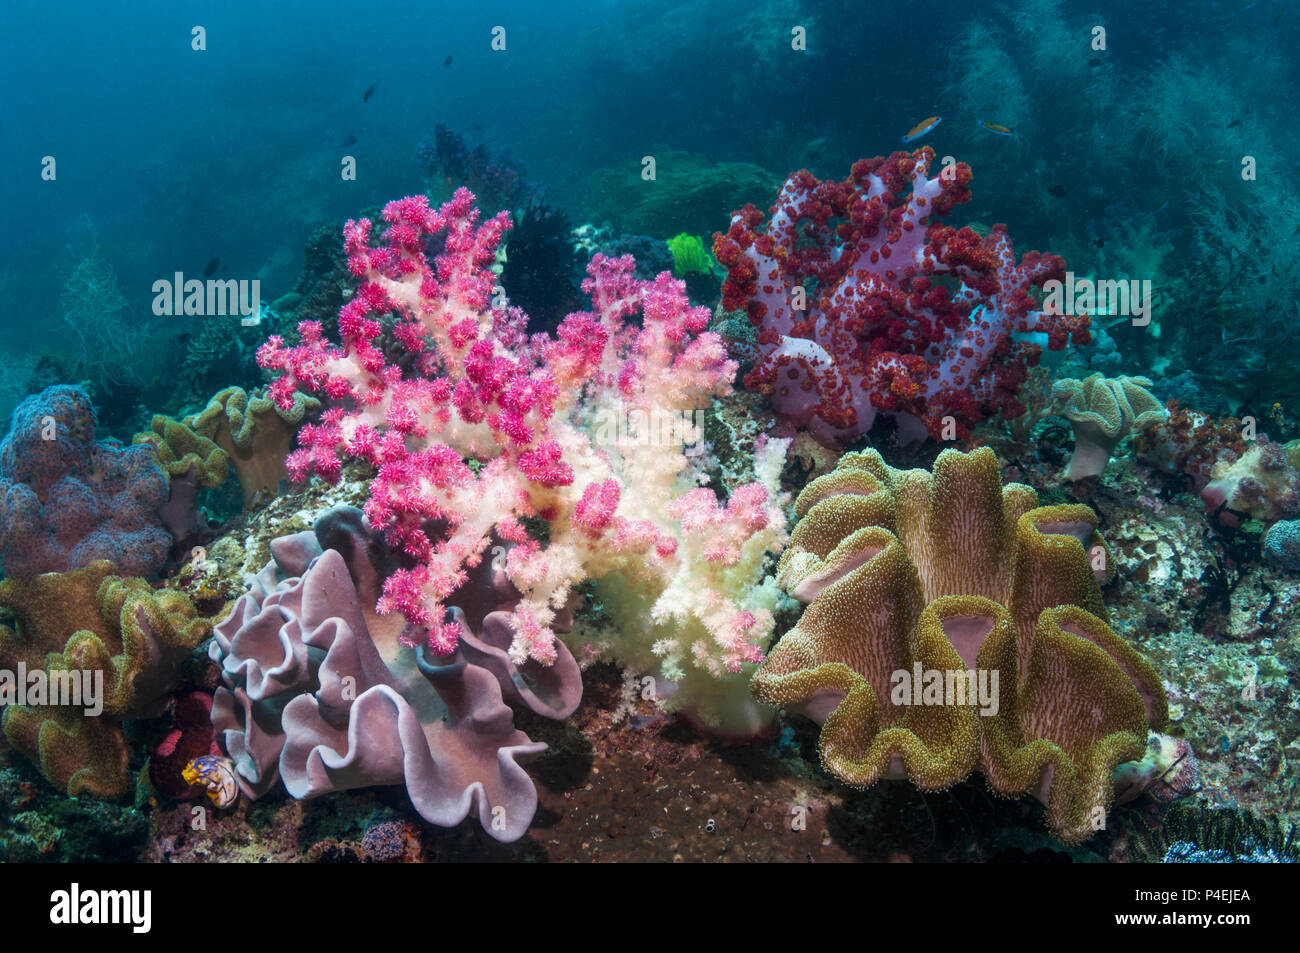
(953, 572)
(321, 692)
(181, 450)
(93, 621)
(1103, 411)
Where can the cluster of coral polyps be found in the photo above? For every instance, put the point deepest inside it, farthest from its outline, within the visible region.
(848, 290)
(1261, 485)
(483, 425)
(917, 573)
(1237, 478)
(1189, 442)
(67, 499)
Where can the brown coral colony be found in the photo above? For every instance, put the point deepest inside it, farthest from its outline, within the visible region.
(908, 573)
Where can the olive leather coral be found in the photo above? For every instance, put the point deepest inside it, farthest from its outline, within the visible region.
(955, 572)
(255, 435)
(181, 451)
(91, 620)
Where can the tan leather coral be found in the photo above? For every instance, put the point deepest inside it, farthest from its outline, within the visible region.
(1103, 411)
(926, 590)
(254, 433)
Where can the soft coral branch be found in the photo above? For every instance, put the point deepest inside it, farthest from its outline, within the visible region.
(522, 407)
(851, 322)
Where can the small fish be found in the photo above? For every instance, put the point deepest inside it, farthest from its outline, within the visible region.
(1248, 6)
(995, 128)
(365, 97)
(447, 62)
(1160, 209)
(1234, 124)
(1057, 190)
(260, 495)
(1099, 243)
(921, 128)
(1093, 64)
(1278, 19)
(212, 267)
(350, 141)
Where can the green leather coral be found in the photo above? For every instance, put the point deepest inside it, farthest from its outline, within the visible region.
(955, 573)
(90, 620)
(180, 450)
(255, 434)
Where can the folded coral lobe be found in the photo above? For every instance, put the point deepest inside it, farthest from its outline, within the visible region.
(909, 573)
(321, 692)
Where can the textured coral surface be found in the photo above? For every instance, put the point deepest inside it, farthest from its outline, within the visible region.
(951, 572)
(67, 499)
(100, 625)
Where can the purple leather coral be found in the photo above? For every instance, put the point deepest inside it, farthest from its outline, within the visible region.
(67, 499)
(320, 691)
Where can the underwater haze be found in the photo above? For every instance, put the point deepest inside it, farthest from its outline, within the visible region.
(639, 431)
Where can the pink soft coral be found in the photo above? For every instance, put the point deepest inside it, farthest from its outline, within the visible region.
(523, 410)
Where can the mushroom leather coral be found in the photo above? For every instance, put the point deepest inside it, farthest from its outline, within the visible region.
(181, 451)
(1103, 411)
(954, 572)
(190, 461)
